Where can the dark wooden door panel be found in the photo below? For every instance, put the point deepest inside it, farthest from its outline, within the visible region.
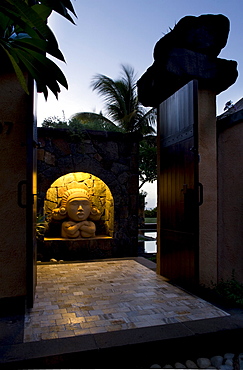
(178, 185)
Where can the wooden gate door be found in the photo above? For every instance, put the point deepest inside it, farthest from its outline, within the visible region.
(178, 201)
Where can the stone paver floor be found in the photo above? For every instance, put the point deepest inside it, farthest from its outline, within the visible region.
(95, 297)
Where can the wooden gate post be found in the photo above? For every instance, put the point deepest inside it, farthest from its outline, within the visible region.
(207, 149)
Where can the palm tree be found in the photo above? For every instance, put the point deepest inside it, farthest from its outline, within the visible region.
(122, 106)
(126, 113)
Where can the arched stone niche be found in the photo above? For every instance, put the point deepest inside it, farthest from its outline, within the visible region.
(113, 158)
(101, 198)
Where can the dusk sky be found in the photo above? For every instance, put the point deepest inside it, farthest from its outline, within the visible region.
(109, 33)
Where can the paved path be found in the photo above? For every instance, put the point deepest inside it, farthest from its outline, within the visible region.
(109, 295)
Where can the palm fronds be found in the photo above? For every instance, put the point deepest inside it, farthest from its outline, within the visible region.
(25, 39)
(122, 105)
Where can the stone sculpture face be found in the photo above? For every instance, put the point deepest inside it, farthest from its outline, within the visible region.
(78, 209)
(76, 206)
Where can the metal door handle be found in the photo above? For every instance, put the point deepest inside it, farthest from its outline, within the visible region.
(20, 193)
(200, 193)
(184, 189)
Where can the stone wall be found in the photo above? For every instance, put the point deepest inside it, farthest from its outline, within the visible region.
(111, 157)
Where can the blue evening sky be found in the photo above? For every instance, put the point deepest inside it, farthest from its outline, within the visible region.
(109, 33)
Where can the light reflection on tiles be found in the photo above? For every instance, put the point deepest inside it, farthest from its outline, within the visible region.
(97, 297)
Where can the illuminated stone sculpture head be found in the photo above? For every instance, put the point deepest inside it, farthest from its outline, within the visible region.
(76, 207)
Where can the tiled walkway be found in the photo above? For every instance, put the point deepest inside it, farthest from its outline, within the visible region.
(95, 297)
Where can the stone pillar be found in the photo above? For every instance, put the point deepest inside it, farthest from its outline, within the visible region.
(13, 156)
(207, 149)
(230, 200)
(190, 52)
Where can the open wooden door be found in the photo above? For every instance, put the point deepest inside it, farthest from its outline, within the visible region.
(178, 199)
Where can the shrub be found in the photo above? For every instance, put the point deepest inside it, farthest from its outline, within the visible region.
(231, 289)
(151, 213)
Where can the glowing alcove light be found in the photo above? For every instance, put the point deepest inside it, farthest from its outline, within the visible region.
(100, 194)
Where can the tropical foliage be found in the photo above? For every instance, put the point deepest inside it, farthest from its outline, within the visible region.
(121, 101)
(150, 213)
(124, 114)
(148, 160)
(124, 111)
(93, 121)
(25, 39)
(87, 121)
(231, 290)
